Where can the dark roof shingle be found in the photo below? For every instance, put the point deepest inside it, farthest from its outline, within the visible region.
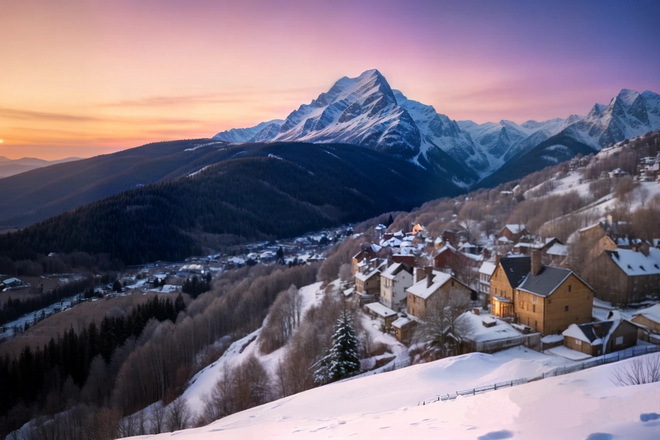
(516, 268)
(546, 281)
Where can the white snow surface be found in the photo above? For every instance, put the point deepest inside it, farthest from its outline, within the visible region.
(582, 405)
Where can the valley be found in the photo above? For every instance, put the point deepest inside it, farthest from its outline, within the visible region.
(241, 320)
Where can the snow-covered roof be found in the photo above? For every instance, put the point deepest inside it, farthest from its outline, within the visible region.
(392, 271)
(574, 331)
(634, 263)
(593, 333)
(558, 250)
(401, 322)
(479, 333)
(364, 276)
(586, 228)
(375, 247)
(9, 281)
(423, 290)
(652, 313)
(550, 339)
(380, 310)
(487, 268)
(515, 229)
(392, 242)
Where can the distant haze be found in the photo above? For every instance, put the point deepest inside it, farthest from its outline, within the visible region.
(87, 79)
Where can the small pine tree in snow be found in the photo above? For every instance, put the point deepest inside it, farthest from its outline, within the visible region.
(342, 360)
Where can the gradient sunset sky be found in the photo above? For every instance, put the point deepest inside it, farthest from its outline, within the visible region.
(87, 77)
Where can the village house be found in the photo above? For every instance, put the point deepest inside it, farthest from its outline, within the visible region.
(12, 284)
(547, 299)
(382, 313)
(648, 320)
(393, 284)
(447, 257)
(630, 275)
(513, 233)
(453, 237)
(403, 329)
(367, 279)
(485, 272)
(487, 334)
(421, 294)
(596, 240)
(602, 337)
(368, 252)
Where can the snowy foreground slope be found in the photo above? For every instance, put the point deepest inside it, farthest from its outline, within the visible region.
(582, 405)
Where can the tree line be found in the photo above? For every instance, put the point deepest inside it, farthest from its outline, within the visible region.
(44, 378)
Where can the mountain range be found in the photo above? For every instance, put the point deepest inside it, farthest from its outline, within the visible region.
(10, 167)
(366, 111)
(357, 150)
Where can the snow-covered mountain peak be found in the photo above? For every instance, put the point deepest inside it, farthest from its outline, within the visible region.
(366, 111)
(627, 97)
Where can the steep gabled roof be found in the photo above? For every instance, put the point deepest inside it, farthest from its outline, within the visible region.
(394, 269)
(652, 313)
(593, 333)
(515, 268)
(515, 228)
(634, 263)
(422, 288)
(546, 281)
(487, 268)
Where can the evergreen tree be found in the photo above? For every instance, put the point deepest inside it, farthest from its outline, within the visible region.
(342, 360)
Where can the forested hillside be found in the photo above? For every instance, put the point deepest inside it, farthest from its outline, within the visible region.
(266, 191)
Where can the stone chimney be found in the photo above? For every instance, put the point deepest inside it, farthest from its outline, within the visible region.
(535, 266)
(498, 258)
(418, 274)
(429, 276)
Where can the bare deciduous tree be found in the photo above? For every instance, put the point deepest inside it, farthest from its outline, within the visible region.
(441, 330)
(283, 319)
(641, 370)
(178, 415)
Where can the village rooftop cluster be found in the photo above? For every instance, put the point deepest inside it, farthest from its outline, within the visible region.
(518, 286)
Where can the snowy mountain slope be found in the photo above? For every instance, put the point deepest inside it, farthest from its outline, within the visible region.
(366, 111)
(629, 114)
(439, 134)
(360, 111)
(261, 132)
(580, 405)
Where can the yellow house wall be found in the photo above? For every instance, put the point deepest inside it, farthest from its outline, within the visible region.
(579, 301)
(499, 286)
(416, 306)
(529, 309)
(646, 322)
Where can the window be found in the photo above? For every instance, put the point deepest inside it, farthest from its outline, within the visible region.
(578, 342)
(570, 288)
(618, 340)
(533, 308)
(565, 308)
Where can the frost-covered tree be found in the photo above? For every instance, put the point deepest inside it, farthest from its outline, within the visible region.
(343, 359)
